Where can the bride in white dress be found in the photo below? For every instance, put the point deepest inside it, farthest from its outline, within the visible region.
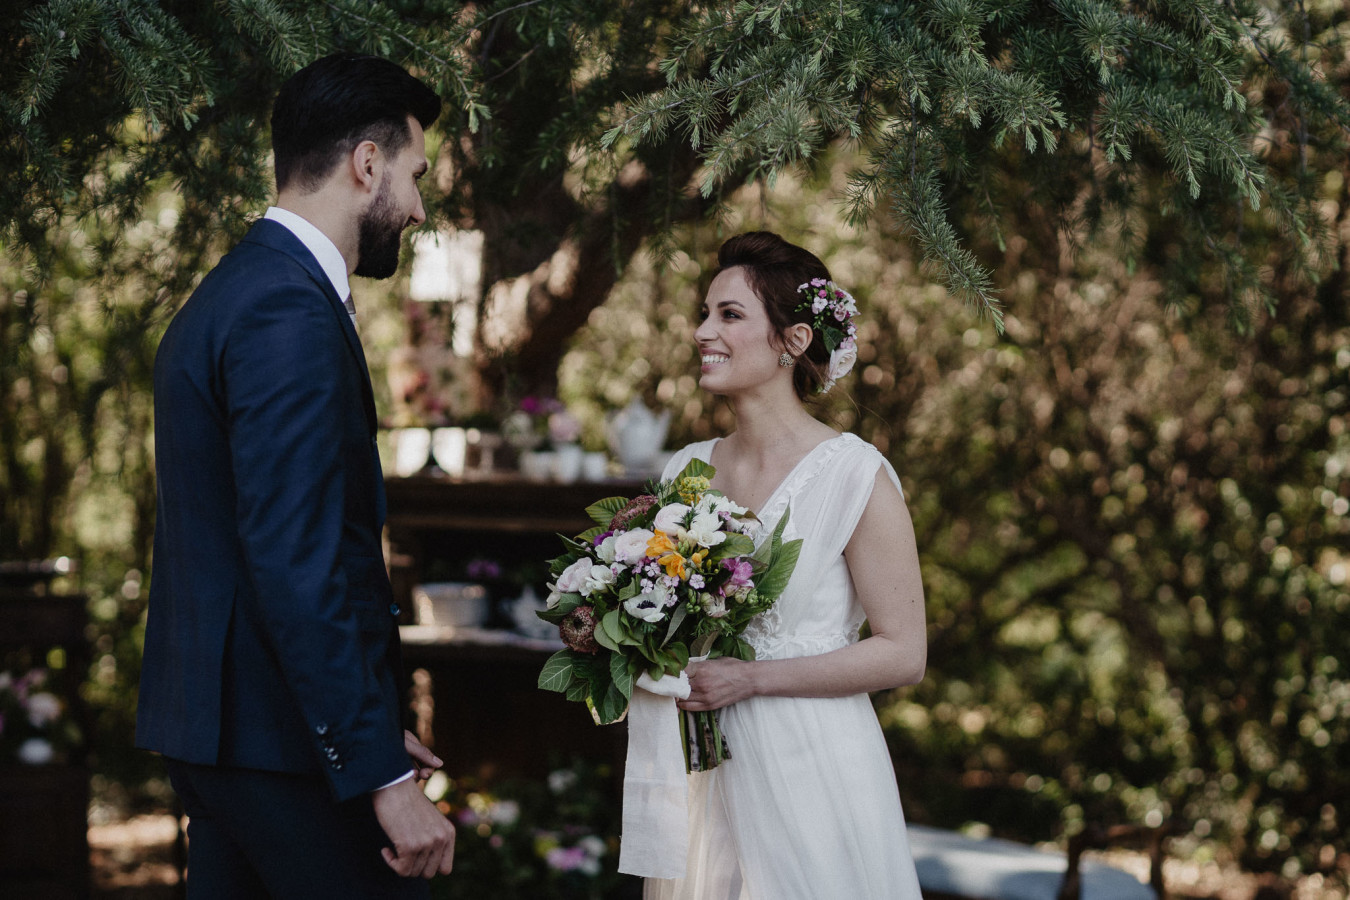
(807, 807)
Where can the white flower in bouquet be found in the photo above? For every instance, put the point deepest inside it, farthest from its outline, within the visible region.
(649, 606)
(574, 577)
(671, 517)
(631, 546)
(715, 605)
(705, 530)
(597, 579)
(606, 551)
(718, 503)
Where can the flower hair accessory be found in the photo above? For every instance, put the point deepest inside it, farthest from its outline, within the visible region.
(832, 309)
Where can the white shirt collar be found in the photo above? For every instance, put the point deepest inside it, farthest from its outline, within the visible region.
(316, 242)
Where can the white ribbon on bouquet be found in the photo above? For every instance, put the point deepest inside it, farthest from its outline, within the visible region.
(655, 841)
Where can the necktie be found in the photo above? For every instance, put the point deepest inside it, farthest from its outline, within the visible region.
(350, 307)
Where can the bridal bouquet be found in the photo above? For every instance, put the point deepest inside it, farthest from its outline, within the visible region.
(668, 575)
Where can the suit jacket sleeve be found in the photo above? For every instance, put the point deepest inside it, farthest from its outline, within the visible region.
(299, 442)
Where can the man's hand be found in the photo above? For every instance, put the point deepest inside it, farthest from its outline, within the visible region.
(423, 839)
(423, 760)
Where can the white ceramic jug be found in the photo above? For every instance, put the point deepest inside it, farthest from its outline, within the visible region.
(636, 436)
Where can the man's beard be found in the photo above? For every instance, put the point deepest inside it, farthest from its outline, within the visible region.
(379, 234)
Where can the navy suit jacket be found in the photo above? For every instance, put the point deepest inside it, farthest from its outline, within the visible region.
(271, 641)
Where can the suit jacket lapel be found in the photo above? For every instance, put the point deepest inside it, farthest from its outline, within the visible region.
(279, 237)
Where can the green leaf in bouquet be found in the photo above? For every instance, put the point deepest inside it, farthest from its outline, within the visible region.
(676, 658)
(611, 704)
(621, 674)
(603, 637)
(702, 644)
(773, 582)
(734, 545)
(767, 552)
(578, 691)
(742, 650)
(612, 625)
(566, 603)
(577, 547)
(677, 616)
(590, 534)
(602, 512)
(558, 671)
(697, 468)
(629, 590)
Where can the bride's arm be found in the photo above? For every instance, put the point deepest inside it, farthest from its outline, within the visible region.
(883, 559)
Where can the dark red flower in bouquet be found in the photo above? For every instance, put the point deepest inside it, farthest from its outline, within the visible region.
(635, 508)
(578, 630)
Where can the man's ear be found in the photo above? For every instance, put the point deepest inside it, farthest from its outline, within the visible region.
(367, 164)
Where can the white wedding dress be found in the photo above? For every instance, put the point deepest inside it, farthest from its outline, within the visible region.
(807, 807)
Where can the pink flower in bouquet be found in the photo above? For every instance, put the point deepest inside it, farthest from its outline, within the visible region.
(635, 509)
(578, 630)
(740, 570)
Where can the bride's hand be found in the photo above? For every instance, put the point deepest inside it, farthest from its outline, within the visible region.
(715, 683)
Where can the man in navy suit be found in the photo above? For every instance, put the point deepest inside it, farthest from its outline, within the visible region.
(271, 674)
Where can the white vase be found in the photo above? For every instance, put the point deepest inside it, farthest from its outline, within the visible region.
(595, 466)
(411, 448)
(536, 465)
(449, 447)
(636, 435)
(567, 460)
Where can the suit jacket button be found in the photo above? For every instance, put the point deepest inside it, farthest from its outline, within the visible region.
(393, 609)
(321, 729)
(337, 767)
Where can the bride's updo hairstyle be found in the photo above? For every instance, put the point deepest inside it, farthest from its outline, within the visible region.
(775, 269)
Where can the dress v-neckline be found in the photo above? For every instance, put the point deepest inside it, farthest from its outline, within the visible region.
(773, 494)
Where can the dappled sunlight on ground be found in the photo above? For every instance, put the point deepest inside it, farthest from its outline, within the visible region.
(133, 859)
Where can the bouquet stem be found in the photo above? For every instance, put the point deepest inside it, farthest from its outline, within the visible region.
(705, 747)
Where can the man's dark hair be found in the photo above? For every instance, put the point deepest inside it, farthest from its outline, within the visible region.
(323, 111)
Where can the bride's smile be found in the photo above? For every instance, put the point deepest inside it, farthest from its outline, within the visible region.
(734, 337)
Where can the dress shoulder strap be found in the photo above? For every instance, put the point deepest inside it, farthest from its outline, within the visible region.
(700, 449)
